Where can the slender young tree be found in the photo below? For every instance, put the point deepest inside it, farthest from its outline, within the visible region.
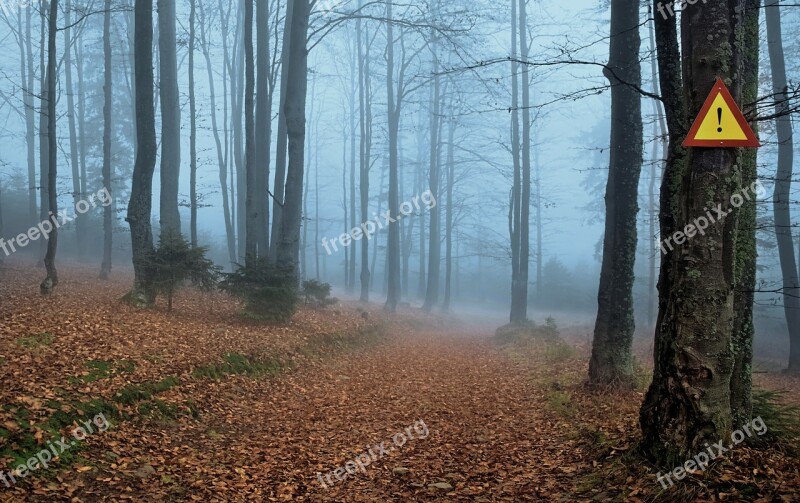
(251, 218)
(612, 361)
(108, 222)
(77, 189)
(193, 202)
(434, 242)
(51, 280)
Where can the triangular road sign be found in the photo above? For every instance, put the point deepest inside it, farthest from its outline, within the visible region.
(721, 123)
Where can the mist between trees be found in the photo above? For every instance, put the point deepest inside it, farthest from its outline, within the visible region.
(264, 149)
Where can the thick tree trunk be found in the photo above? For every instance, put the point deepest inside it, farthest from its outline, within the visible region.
(169, 215)
(108, 222)
(783, 183)
(297, 85)
(51, 280)
(141, 202)
(612, 361)
(688, 403)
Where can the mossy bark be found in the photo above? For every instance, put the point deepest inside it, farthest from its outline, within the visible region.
(746, 252)
(688, 403)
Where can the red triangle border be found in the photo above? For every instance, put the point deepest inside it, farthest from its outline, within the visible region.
(721, 88)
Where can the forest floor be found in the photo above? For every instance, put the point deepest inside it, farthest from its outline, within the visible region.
(204, 405)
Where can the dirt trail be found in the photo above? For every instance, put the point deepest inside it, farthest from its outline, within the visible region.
(488, 438)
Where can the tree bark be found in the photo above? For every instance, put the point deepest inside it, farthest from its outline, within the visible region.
(51, 280)
(434, 242)
(746, 250)
(280, 150)
(26, 58)
(251, 212)
(108, 222)
(688, 403)
(263, 131)
(394, 105)
(140, 205)
(192, 127)
(612, 362)
(169, 215)
(297, 85)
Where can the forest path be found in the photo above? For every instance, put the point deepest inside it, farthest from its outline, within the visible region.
(474, 429)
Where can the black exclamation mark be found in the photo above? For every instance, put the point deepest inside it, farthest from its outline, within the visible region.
(719, 119)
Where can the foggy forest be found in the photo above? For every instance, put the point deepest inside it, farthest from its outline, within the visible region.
(382, 250)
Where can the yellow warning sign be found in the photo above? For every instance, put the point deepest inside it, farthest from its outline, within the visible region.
(721, 123)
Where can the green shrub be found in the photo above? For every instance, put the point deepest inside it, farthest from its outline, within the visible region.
(269, 292)
(318, 294)
(176, 262)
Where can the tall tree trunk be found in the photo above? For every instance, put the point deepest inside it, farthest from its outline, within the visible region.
(141, 202)
(263, 131)
(251, 219)
(659, 158)
(26, 58)
(394, 105)
(192, 127)
(354, 60)
(783, 183)
(239, 186)
(746, 250)
(51, 280)
(44, 129)
(451, 180)
(280, 150)
(435, 244)
(688, 403)
(364, 165)
(108, 222)
(514, 222)
(295, 110)
(612, 361)
(520, 281)
(169, 215)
